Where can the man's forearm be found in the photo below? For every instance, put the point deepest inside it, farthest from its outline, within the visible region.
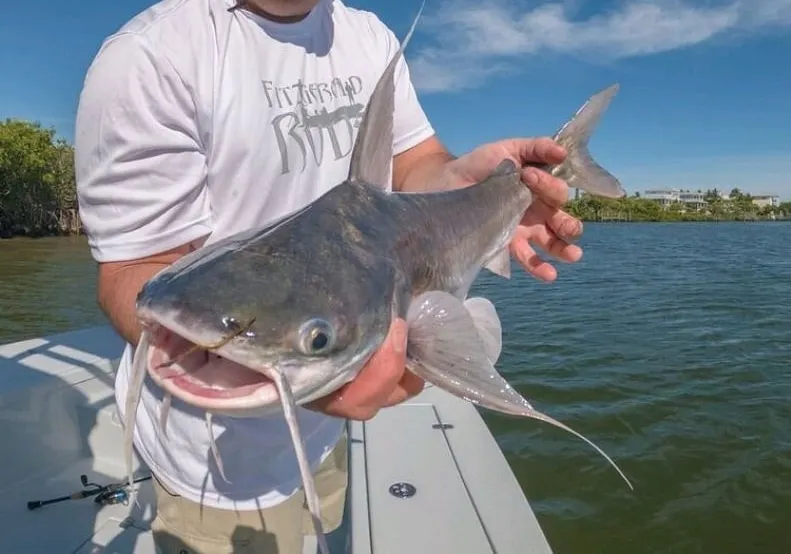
(428, 174)
(120, 282)
(117, 293)
(422, 168)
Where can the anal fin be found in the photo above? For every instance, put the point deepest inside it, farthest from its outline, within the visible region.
(500, 264)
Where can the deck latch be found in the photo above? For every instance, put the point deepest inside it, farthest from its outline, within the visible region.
(402, 490)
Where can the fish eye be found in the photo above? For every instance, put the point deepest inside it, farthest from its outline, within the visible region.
(315, 337)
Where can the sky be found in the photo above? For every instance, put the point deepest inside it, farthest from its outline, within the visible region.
(705, 85)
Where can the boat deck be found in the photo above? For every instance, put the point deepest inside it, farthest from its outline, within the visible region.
(58, 420)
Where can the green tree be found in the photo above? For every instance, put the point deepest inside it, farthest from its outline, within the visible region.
(784, 209)
(712, 196)
(37, 184)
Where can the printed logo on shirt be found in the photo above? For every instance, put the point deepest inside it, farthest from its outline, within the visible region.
(314, 121)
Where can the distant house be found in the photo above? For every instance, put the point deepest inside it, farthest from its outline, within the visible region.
(766, 200)
(666, 197)
(694, 200)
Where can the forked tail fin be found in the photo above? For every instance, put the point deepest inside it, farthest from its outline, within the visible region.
(579, 169)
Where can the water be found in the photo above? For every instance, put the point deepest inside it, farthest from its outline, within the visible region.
(667, 345)
(47, 286)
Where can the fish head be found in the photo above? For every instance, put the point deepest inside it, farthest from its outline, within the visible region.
(223, 325)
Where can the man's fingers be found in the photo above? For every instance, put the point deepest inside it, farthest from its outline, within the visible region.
(543, 237)
(410, 385)
(532, 262)
(565, 226)
(541, 150)
(552, 191)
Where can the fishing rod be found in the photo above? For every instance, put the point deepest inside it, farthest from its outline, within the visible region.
(114, 493)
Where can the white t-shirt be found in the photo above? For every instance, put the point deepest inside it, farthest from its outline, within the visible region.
(198, 121)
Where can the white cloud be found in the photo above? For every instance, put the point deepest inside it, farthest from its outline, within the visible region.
(471, 40)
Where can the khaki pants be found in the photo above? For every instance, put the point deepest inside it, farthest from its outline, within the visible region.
(185, 527)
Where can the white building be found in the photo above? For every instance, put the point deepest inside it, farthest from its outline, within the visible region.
(766, 200)
(664, 197)
(692, 199)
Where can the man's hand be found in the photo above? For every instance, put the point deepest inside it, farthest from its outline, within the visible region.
(384, 381)
(544, 223)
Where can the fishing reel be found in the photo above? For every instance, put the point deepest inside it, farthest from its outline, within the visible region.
(107, 495)
(109, 498)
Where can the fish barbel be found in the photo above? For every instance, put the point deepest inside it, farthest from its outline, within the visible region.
(293, 310)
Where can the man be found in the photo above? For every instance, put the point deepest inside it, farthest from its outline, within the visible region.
(202, 118)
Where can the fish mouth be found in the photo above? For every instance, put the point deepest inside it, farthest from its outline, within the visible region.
(222, 380)
(206, 379)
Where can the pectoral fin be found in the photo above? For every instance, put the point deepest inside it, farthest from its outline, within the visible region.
(452, 345)
(446, 348)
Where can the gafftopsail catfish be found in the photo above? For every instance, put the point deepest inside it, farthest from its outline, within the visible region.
(295, 309)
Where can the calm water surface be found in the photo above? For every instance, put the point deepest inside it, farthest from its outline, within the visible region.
(667, 344)
(46, 286)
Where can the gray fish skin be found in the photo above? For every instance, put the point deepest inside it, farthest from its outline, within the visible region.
(309, 298)
(354, 258)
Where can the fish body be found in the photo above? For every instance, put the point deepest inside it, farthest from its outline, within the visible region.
(292, 311)
(352, 260)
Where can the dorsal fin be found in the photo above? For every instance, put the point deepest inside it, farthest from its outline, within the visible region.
(373, 148)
